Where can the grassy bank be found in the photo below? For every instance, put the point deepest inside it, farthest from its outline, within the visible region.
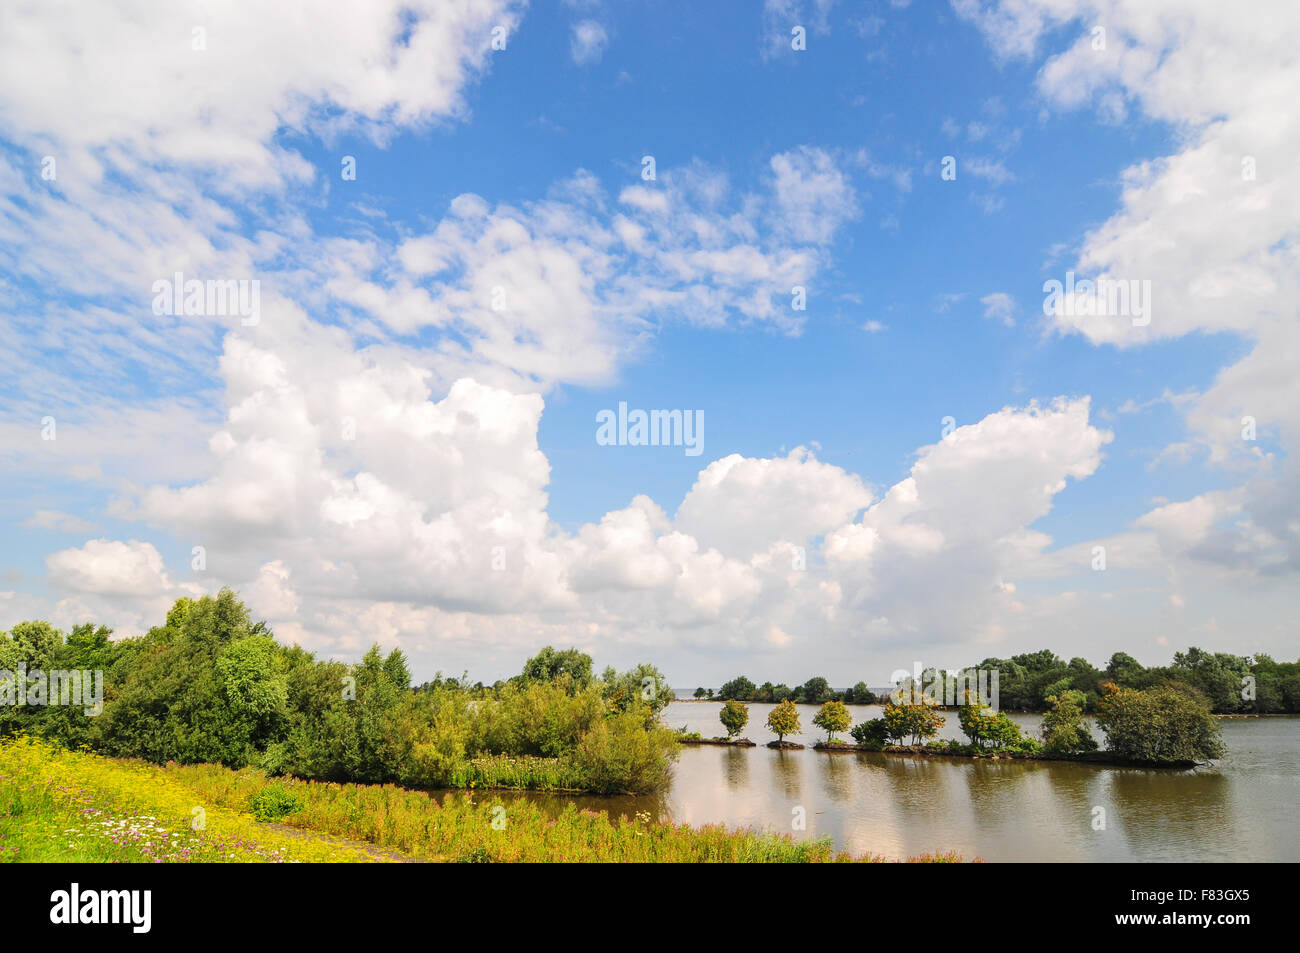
(79, 806)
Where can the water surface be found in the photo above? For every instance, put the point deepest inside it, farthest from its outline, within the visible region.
(1242, 808)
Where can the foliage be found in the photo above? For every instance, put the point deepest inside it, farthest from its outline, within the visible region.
(210, 685)
(783, 720)
(1158, 725)
(860, 694)
(273, 803)
(734, 717)
(815, 691)
(832, 717)
(739, 688)
(1064, 729)
(915, 721)
(571, 667)
(985, 728)
(871, 733)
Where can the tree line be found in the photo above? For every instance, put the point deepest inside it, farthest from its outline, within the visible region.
(815, 691)
(211, 685)
(1231, 684)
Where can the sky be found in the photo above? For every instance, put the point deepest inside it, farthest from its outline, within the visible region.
(825, 233)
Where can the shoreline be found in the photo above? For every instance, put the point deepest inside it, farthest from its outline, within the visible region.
(1099, 758)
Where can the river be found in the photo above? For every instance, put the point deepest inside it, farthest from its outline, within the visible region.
(1239, 809)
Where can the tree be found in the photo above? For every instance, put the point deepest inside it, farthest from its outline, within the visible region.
(700, 693)
(984, 727)
(1159, 725)
(31, 642)
(1123, 669)
(643, 685)
(916, 721)
(734, 717)
(783, 720)
(860, 694)
(815, 691)
(833, 717)
(548, 665)
(739, 688)
(872, 733)
(1064, 729)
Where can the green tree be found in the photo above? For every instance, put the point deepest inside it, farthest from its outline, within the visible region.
(984, 727)
(916, 722)
(548, 665)
(872, 733)
(734, 717)
(832, 717)
(783, 720)
(1159, 725)
(1064, 729)
(32, 642)
(860, 694)
(815, 691)
(739, 688)
(643, 686)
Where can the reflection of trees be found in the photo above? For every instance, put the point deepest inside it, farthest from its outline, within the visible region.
(736, 767)
(787, 770)
(836, 773)
(1036, 810)
(1165, 814)
(919, 786)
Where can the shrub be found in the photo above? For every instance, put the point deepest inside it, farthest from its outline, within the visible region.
(273, 803)
(1064, 730)
(620, 755)
(1161, 724)
(915, 721)
(871, 733)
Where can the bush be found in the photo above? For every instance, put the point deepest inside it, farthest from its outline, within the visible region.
(1159, 725)
(916, 722)
(871, 733)
(273, 803)
(620, 755)
(1064, 730)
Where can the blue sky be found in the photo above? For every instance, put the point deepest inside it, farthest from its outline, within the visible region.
(521, 169)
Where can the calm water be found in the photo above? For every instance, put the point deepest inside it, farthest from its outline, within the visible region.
(1242, 809)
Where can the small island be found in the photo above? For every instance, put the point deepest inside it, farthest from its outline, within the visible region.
(1154, 727)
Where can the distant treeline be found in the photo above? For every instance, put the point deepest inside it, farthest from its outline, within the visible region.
(210, 685)
(1232, 684)
(815, 691)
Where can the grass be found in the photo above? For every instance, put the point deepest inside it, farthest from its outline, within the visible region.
(80, 806)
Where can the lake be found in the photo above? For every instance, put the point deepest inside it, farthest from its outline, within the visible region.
(1240, 809)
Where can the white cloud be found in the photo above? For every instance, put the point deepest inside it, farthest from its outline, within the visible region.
(588, 42)
(1000, 306)
(58, 522)
(813, 197)
(1210, 226)
(109, 568)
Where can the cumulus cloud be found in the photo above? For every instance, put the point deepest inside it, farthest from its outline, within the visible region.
(110, 568)
(1210, 226)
